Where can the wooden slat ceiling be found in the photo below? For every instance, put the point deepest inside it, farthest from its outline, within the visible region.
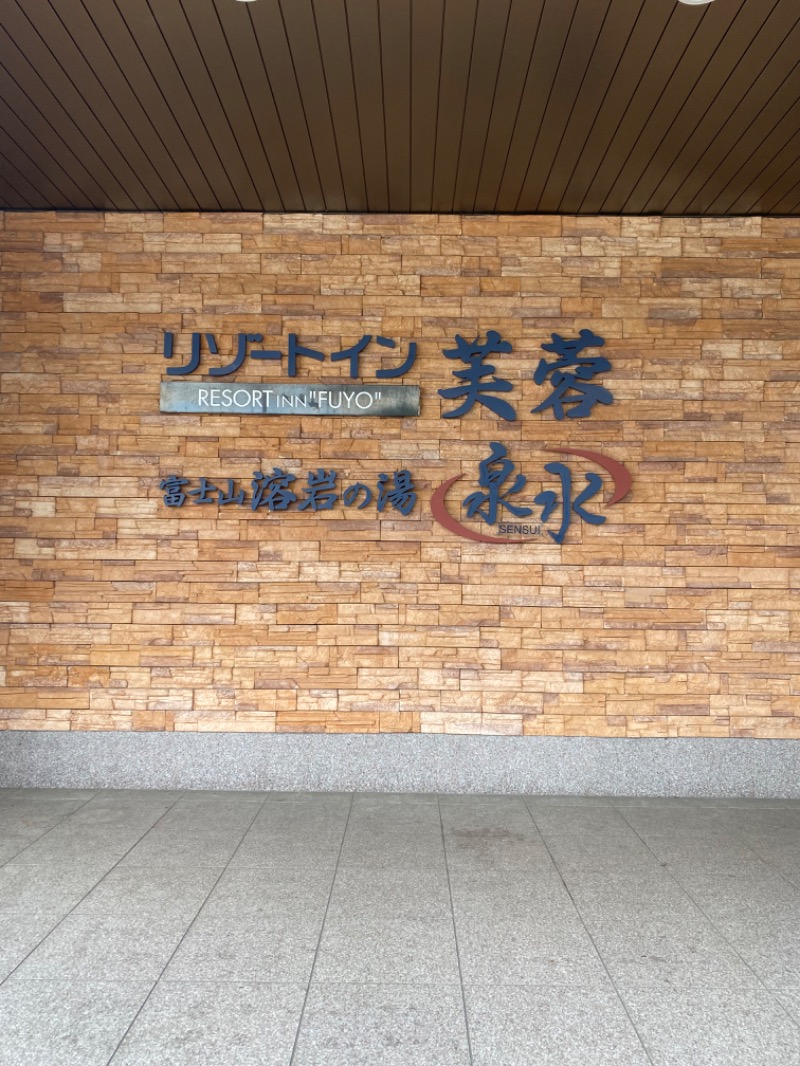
(562, 106)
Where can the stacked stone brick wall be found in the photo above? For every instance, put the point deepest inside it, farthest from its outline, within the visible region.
(677, 617)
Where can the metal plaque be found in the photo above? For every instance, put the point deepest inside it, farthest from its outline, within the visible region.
(377, 401)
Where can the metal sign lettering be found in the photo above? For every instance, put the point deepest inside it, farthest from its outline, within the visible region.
(381, 401)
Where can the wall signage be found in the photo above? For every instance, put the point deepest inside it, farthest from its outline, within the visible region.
(502, 499)
(383, 401)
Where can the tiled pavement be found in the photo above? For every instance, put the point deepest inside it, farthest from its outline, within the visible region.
(239, 929)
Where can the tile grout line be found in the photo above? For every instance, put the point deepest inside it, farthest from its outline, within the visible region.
(60, 822)
(88, 893)
(455, 933)
(319, 938)
(712, 923)
(622, 1002)
(146, 1000)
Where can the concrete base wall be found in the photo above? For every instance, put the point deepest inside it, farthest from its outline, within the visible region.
(407, 763)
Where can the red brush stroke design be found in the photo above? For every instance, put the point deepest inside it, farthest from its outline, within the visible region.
(619, 473)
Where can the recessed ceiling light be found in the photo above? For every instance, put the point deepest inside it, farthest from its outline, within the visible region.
(695, 1)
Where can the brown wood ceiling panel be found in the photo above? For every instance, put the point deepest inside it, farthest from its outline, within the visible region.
(620, 23)
(186, 62)
(19, 136)
(789, 204)
(395, 31)
(774, 173)
(671, 73)
(28, 60)
(245, 56)
(716, 91)
(458, 37)
(579, 49)
(301, 35)
(334, 43)
(9, 197)
(87, 73)
(181, 104)
(171, 152)
(522, 33)
(548, 53)
(593, 106)
(710, 159)
(491, 29)
(427, 28)
(26, 177)
(22, 108)
(270, 33)
(365, 55)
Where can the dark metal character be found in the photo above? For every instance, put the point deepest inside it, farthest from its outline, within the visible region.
(352, 492)
(405, 366)
(203, 494)
(400, 495)
(172, 487)
(229, 496)
(272, 492)
(494, 472)
(296, 350)
(320, 491)
(548, 499)
(353, 354)
(194, 361)
(241, 354)
(571, 374)
(475, 388)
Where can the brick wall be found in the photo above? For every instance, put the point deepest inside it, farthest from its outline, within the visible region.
(679, 616)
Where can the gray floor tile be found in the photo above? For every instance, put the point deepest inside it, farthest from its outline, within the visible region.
(64, 1023)
(593, 840)
(391, 854)
(546, 1026)
(510, 951)
(256, 926)
(33, 899)
(210, 1025)
(738, 889)
(24, 818)
(281, 851)
(101, 834)
(679, 951)
(675, 835)
(235, 951)
(263, 894)
(545, 802)
(790, 1000)
(402, 951)
(606, 893)
(395, 807)
(360, 894)
(505, 812)
(128, 926)
(745, 802)
(76, 796)
(509, 893)
(768, 942)
(382, 1025)
(194, 833)
(486, 850)
(713, 1027)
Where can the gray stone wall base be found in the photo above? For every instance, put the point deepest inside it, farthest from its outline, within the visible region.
(402, 763)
